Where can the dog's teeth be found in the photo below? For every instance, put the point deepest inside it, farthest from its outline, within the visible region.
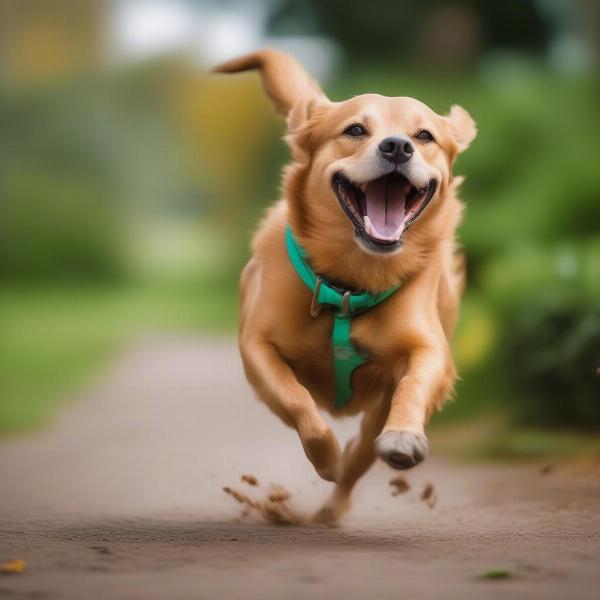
(370, 229)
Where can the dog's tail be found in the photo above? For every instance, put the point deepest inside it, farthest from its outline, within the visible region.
(284, 78)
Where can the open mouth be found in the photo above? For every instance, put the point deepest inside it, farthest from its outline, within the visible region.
(381, 210)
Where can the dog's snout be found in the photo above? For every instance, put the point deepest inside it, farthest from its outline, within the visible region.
(396, 149)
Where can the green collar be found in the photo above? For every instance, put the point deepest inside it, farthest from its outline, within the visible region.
(345, 305)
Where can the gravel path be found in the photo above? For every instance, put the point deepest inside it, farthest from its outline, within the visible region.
(121, 498)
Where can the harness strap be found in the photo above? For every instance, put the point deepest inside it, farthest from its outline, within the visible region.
(345, 305)
(345, 359)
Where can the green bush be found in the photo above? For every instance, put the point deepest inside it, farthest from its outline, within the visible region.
(59, 214)
(548, 303)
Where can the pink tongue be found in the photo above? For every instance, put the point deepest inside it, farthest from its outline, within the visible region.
(385, 198)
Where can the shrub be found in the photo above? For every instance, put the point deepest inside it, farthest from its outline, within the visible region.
(548, 303)
(58, 215)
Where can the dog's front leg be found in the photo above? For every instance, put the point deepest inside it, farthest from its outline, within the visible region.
(423, 385)
(276, 384)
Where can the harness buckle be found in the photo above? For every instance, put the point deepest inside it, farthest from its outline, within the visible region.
(345, 304)
(315, 307)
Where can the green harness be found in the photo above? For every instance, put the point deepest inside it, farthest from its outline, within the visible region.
(345, 305)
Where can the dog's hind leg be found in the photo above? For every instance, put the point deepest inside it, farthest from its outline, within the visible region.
(358, 457)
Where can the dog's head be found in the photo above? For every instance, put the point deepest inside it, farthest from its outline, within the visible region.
(385, 162)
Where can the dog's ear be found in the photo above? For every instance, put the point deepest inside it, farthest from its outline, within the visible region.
(462, 127)
(287, 84)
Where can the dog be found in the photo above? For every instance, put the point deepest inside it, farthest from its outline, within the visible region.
(369, 211)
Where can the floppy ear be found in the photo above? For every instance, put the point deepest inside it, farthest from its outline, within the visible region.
(285, 81)
(462, 127)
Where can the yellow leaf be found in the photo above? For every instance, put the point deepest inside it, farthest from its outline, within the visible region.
(12, 567)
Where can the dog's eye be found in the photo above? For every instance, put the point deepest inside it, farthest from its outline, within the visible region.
(424, 136)
(355, 130)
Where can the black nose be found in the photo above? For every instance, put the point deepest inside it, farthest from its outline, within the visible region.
(396, 149)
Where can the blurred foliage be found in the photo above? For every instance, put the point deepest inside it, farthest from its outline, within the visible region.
(548, 301)
(58, 213)
(449, 34)
(85, 163)
(227, 127)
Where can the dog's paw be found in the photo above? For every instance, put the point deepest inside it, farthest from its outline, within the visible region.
(327, 515)
(337, 505)
(328, 472)
(323, 451)
(402, 449)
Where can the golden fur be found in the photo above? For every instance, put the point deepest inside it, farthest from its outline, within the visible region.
(286, 353)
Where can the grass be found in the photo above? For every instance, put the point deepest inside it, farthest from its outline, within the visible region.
(496, 575)
(516, 443)
(491, 435)
(55, 338)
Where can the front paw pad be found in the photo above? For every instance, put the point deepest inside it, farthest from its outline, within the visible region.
(402, 449)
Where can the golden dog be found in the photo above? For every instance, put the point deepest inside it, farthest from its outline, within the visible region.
(371, 200)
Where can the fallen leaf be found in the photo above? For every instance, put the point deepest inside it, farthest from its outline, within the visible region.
(12, 567)
(496, 575)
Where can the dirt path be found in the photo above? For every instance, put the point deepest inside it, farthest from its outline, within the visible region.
(121, 499)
